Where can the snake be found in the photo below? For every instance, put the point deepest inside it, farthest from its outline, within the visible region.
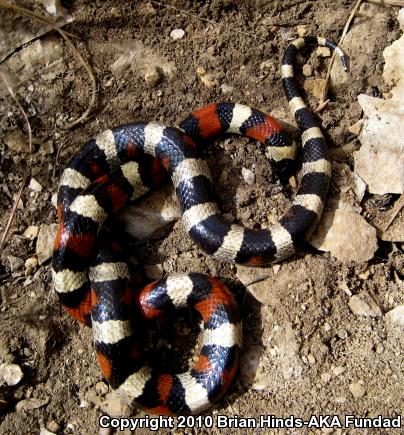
(89, 266)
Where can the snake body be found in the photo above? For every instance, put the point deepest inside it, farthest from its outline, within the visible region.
(90, 273)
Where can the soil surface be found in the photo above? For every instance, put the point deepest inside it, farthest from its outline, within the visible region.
(316, 356)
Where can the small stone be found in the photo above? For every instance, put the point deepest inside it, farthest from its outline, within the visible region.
(357, 390)
(379, 348)
(11, 374)
(323, 52)
(276, 268)
(44, 431)
(311, 359)
(396, 315)
(226, 89)
(31, 232)
(29, 404)
(307, 70)
(338, 370)
(356, 128)
(16, 263)
(342, 334)
(364, 275)
(154, 271)
(292, 182)
(70, 428)
(327, 327)
(248, 175)
(347, 235)
(101, 388)
(364, 306)
(17, 141)
(177, 34)
(302, 30)
(208, 80)
(44, 243)
(30, 265)
(35, 186)
(326, 377)
(53, 426)
(152, 77)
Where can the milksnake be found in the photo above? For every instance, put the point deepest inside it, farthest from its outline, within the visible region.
(90, 273)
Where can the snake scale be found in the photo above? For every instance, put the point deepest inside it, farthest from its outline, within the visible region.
(90, 273)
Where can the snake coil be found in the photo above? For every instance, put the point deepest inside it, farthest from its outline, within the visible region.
(89, 270)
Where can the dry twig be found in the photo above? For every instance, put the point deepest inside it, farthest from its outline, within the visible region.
(324, 102)
(65, 35)
(24, 181)
(31, 14)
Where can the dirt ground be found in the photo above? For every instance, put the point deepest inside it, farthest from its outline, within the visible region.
(316, 356)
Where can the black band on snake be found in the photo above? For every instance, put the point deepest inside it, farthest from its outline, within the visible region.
(90, 272)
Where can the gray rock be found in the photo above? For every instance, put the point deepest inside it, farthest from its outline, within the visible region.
(45, 240)
(16, 263)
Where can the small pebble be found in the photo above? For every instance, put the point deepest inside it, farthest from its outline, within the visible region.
(342, 334)
(361, 307)
(326, 377)
(11, 374)
(16, 263)
(31, 232)
(248, 175)
(70, 428)
(53, 426)
(44, 243)
(323, 52)
(357, 390)
(379, 348)
(307, 70)
(338, 370)
(152, 77)
(177, 34)
(311, 359)
(30, 265)
(226, 89)
(35, 186)
(396, 315)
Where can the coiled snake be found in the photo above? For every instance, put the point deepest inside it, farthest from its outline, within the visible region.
(91, 276)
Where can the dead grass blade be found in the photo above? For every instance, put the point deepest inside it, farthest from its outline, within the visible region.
(323, 102)
(66, 36)
(24, 181)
